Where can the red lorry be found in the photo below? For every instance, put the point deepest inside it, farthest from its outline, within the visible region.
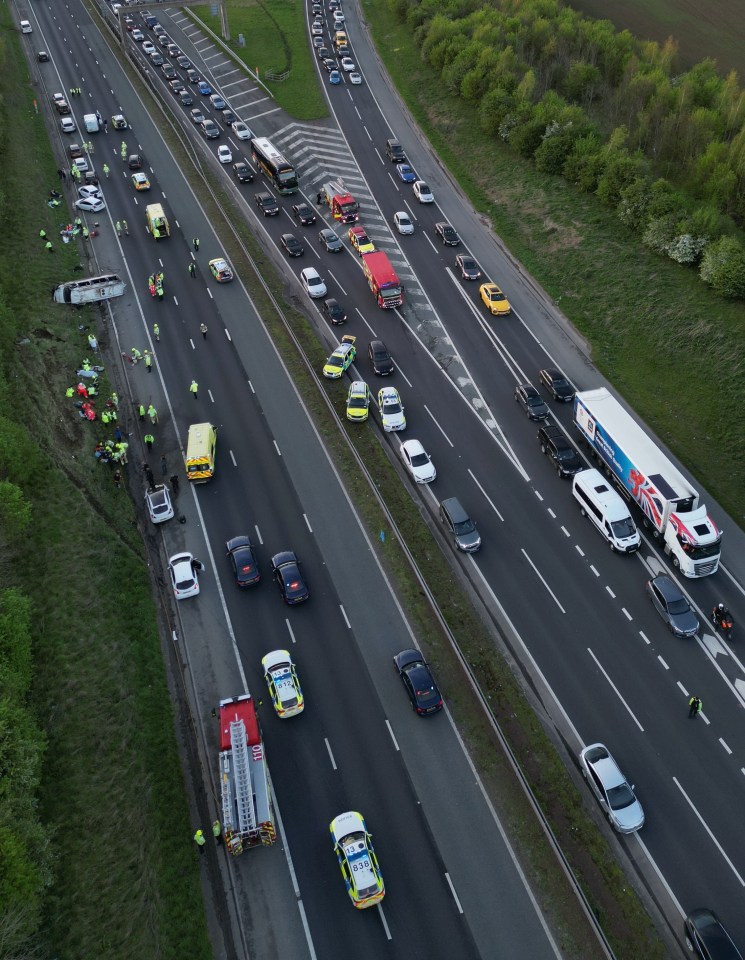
(382, 280)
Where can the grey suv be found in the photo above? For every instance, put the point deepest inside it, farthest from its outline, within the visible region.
(559, 450)
(672, 606)
(531, 401)
(460, 525)
(394, 151)
(210, 129)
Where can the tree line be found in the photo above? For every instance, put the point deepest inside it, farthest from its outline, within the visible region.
(609, 113)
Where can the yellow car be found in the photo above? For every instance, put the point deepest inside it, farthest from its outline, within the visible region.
(220, 270)
(140, 181)
(341, 359)
(360, 240)
(358, 401)
(494, 300)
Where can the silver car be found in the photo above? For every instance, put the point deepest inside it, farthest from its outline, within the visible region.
(672, 606)
(612, 790)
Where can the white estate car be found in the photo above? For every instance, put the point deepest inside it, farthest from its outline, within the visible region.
(417, 461)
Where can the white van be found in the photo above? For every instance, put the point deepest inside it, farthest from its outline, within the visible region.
(91, 122)
(600, 503)
(26, 27)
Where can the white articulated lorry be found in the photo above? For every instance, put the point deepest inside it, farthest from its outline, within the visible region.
(670, 506)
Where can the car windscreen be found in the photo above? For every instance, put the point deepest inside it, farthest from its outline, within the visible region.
(466, 526)
(678, 606)
(621, 796)
(622, 529)
(419, 460)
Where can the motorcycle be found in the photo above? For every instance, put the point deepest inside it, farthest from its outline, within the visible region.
(724, 623)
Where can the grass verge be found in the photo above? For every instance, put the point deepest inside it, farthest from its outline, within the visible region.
(126, 881)
(671, 347)
(276, 41)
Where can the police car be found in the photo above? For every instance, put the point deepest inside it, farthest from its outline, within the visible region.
(358, 401)
(140, 181)
(283, 684)
(341, 359)
(118, 122)
(390, 409)
(360, 240)
(357, 860)
(220, 270)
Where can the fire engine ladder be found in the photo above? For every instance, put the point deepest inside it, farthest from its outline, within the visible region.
(242, 776)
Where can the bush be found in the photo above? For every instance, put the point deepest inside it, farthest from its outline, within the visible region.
(723, 267)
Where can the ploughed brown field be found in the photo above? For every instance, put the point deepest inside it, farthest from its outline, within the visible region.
(712, 28)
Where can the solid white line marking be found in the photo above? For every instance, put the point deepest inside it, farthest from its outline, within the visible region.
(660, 877)
(258, 534)
(337, 281)
(405, 378)
(725, 746)
(344, 614)
(611, 592)
(455, 895)
(390, 730)
(292, 635)
(232, 457)
(615, 689)
(276, 447)
(384, 922)
(486, 495)
(366, 323)
(663, 662)
(711, 835)
(307, 523)
(331, 756)
(626, 613)
(535, 568)
(438, 426)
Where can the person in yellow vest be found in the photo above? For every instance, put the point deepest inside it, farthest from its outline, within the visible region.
(217, 831)
(200, 840)
(194, 388)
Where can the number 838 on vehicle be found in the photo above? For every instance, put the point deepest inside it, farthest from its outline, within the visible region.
(357, 860)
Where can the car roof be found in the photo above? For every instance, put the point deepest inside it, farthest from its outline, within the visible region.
(389, 393)
(413, 446)
(310, 273)
(275, 658)
(358, 386)
(287, 556)
(605, 766)
(667, 588)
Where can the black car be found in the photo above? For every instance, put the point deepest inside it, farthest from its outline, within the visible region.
(418, 681)
(229, 117)
(558, 385)
(706, 935)
(243, 561)
(672, 605)
(556, 446)
(333, 311)
(289, 579)
(328, 64)
(469, 269)
(323, 53)
(183, 62)
(531, 401)
(304, 213)
(380, 358)
(135, 161)
(447, 234)
(176, 87)
(192, 76)
(173, 50)
(42, 56)
(293, 247)
(186, 98)
(267, 204)
(243, 172)
(168, 71)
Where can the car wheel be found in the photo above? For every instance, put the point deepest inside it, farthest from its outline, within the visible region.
(612, 546)
(543, 448)
(583, 511)
(676, 562)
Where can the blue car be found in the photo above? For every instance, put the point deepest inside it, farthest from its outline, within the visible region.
(405, 173)
(334, 77)
(204, 88)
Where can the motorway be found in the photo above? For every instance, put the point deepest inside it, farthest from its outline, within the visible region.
(575, 614)
(453, 887)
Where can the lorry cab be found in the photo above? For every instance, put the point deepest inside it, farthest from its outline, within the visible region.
(200, 452)
(157, 222)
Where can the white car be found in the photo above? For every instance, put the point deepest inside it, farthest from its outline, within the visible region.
(403, 222)
(224, 154)
(355, 78)
(314, 285)
(316, 30)
(138, 36)
(612, 790)
(89, 190)
(423, 193)
(338, 16)
(183, 569)
(159, 504)
(148, 47)
(241, 130)
(90, 204)
(347, 64)
(67, 125)
(417, 461)
(81, 163)
(391, 410)
(284, 686)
